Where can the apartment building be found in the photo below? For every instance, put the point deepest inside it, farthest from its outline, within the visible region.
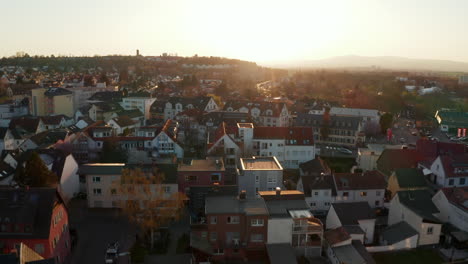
(259, 174)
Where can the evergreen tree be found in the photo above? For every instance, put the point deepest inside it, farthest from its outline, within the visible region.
(36, 173)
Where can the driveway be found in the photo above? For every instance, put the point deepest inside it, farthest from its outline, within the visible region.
(96, 228)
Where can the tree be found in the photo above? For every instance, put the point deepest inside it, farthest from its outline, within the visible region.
(104, 79)
(35, 174)
(222, 89)
(325, 129)
(386, 121)
(147, 204)
(112, 153)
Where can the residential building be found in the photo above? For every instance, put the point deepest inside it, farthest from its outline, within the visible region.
(319, 192)
(166, 141)
(49, 101)
(7, 140)
(233, 227)
(450, 171)
(290, 145)
(453, 206)
(357, 218)
(121, 124)
(259, 174)
(36, 217)
(343, 130)
(140, 102)
(315, 167)
(223, 143)
(268, 114)
(451, 121)
(341, 248)
(406, 179)
(392, 159)
(360, 187)
(81, 94)
(281, 253)
(200, 172)
(170, 107)
(368, 116)
(290, 222)
(417, 209)
(367, 157)
(399, 236)
(103, 181)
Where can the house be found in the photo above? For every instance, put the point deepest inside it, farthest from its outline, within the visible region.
(7, 141)
(399, 236)
(49, 101)
(103, 181)
(368, 116)
(358, 187)
(166, 142)
(268, 114)
(36, 217)
(121, 124)
(451, 121)
(259, 174)
(197, 196)
(290, 145)
(417, 209)
(56, 121)
(406, 179)
(450, 170)
(138, 101)
(46, 139)
(27, 126)
(357, 218)
(223, 143)
(341, 248)
(315, 167)
(392, 159)
(63, 165)
(319, 192)
(367, 157)
(169, 108)
(104, 111)
(200, 172)
(233, 227)
(290, 222)
(453, 206)
(343, 130)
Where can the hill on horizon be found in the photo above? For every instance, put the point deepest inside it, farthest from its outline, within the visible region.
(380, 62)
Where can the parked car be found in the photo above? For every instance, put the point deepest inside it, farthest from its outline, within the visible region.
(345, 151)
(112, 253)
(454, 139)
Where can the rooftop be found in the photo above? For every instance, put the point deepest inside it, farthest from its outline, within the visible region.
(260, 163)
(233, 205)
(208, 164)
(351, 213)
(101, 168)
(410, 178)
(398, 232)
(420, 202)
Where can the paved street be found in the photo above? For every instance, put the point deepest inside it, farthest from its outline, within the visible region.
(96, 228)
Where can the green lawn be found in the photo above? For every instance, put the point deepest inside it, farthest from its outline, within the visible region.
(416, 256)
(340, 164)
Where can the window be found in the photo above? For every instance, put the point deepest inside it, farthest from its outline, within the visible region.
(257, 179)
(256, 238)
(167, 189)
(377, 193)
(256, 222)
(312, 204)
(203, 234)
(325, 193)
(113, 191)
(451, 182)
(461, 181)
(316, 193)
(327, 203)
(233, 219)
(96, 179)
(97, 191)
(345, 194)
(377, 203)
(191, 178)
(271, 179)
(363, 194)
(215, 177)
(430, 230)
(214, 220)
(213, 236)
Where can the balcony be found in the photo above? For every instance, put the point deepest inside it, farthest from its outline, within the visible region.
(307, 225)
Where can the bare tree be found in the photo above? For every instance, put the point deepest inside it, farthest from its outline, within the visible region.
(146, 202)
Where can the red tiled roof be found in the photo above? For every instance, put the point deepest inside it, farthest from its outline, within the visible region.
(302, 135)
(430, 149)
(392, 159)
(337, 235)
(191, 112)
(450, 162)
(457, 196)
(360, 181)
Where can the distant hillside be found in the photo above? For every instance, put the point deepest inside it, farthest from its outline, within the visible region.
(393, 63)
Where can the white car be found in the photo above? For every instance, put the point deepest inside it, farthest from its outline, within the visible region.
(345, 151)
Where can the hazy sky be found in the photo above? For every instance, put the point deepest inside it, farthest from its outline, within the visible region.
(258, 30)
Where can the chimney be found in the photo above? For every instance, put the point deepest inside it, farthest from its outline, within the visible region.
(242, 195)
(278, 191)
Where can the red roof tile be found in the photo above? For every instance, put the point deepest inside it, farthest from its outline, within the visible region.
(360, 181)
